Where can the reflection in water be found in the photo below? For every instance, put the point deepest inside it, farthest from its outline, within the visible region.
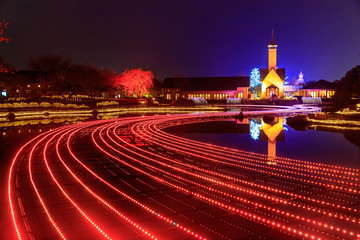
(42, 121)
(268, 131)
(255, 126)
(272, 132)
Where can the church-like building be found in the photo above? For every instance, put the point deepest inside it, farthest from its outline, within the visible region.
(273, 78)
(272, 83)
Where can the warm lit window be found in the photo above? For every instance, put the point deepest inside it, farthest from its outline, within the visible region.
(313, 93)
(330, 94)
(322, 93)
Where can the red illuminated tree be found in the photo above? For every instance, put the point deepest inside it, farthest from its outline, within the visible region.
(3, 26)
(136, 81)
(4, 67)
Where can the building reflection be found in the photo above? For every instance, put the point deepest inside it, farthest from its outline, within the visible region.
(268, 130)
(272, 131)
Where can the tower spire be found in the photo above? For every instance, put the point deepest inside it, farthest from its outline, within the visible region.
(272, 53)
(272, 38)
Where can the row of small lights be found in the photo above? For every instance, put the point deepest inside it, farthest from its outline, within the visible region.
(231, 152)
(156, 213)
(10, 181)
(34, 185)
(9, 191)
(261, 156)
(186, 191)
(256, 192)
(66, 195)
(215, 181)
(345, 170)
(318, 201)
(249, 162)
(349, 189)
(187, 230)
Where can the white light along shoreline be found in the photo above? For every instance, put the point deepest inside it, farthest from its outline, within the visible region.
(263, 109)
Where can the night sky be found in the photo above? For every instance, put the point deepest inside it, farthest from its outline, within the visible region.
(188, 38)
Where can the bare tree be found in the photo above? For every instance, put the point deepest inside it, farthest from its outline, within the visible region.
(55, 71)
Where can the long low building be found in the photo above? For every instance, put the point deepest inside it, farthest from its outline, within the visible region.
(321, 88)
(209, 88)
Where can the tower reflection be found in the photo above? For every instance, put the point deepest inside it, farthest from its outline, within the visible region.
(271, 131)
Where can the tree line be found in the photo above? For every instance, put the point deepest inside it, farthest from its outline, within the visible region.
(58, 75)
(61, 75)
(347, 93)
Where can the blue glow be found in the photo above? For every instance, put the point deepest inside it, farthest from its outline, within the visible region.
(286, 83)
(255, 77)
(3, 93)
(255, 130)
(285, 128)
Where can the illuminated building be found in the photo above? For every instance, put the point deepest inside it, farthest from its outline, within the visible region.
(321, 88)
(209, 88)
(24, 83)
(292, 90)
(300, 80)
(272, 79)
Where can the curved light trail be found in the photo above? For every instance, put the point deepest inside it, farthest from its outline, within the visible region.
(129, 179)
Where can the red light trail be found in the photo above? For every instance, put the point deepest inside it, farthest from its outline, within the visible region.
(127, 178)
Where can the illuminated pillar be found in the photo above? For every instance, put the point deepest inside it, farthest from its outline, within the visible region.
(272, 53)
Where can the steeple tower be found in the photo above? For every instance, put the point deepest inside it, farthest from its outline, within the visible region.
(272, 53)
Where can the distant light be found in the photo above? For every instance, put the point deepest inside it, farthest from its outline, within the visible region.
(28, 86)
(39, 85)
(4, 93)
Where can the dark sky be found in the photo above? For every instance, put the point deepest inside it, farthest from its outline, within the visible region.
(188, 37)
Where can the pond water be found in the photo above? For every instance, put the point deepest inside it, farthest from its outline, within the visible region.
(252, 135)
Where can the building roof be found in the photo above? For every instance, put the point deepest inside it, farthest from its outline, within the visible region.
(265, 71)
(321, 84)
(207, 83)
